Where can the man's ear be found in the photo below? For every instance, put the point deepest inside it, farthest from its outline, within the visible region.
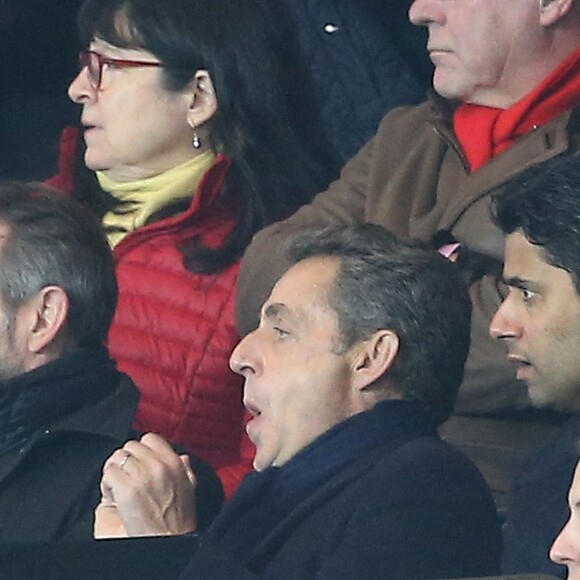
(552, 11)
(373, 357)
(46, 314)
(203, 99)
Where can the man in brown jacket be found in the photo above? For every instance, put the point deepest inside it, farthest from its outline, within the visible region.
(506, 96)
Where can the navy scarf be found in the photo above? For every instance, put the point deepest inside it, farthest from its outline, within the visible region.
(265, 498)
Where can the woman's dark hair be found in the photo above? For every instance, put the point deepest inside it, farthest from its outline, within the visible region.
(266, 121)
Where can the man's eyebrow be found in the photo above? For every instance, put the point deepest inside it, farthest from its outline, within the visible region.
(279, 310)
(516, 282)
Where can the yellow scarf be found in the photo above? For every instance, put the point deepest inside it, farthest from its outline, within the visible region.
(141, 199)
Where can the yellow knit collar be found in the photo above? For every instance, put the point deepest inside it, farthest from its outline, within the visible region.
(139, 200)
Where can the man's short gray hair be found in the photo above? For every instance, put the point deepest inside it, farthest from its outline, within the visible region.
(385, 283)
(53, 240)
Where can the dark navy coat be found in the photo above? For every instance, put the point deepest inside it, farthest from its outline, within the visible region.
(377, 496)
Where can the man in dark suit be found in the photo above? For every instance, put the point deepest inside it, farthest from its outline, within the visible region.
(357, 359)
(539, 322)
(64, 407)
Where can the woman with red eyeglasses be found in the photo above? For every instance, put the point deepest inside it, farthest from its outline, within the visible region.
(197, 131)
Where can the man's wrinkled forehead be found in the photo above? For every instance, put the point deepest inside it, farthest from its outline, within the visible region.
(303, 291)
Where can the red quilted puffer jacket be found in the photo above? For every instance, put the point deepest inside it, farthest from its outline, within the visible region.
(174, 330)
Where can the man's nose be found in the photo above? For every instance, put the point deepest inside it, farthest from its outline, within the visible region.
(562, 550)
(503, 324)
(423, 12)
(243, 355)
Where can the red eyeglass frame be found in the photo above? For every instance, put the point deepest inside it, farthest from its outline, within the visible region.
(85, 57)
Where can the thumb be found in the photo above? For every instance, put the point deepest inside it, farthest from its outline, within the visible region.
(187, 465)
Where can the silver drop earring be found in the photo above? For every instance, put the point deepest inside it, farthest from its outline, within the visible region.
(196, 141)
